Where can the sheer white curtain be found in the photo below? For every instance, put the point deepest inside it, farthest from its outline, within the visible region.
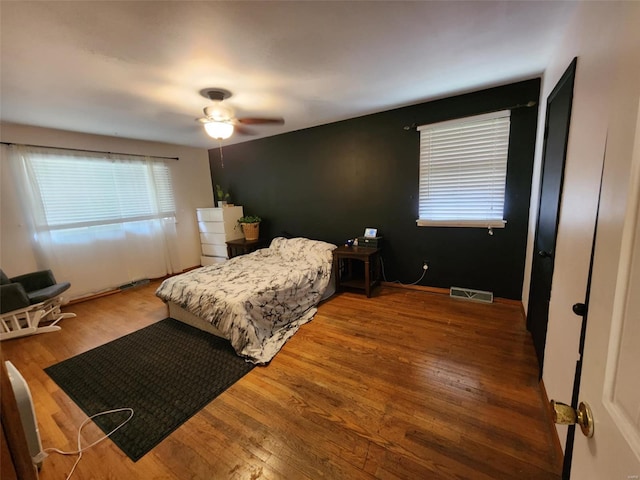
(97, 220)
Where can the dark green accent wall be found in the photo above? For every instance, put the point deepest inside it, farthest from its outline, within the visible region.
(332, 181)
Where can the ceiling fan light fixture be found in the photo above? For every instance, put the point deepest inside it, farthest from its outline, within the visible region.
(218, 112)
(219, 130)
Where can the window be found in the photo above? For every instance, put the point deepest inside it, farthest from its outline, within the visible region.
(463, 168)
(80, 191)
(98, 220)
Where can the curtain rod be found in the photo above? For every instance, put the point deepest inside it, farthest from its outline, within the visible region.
(529, 104)
(90, 151)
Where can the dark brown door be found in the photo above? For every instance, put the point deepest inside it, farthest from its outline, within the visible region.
(553, 158)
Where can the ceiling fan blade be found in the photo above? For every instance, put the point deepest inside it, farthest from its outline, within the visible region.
(242, 130)
(203, 120)
(256, 121)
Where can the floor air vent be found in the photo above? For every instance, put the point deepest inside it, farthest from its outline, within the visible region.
(468, 294)
(137, 283)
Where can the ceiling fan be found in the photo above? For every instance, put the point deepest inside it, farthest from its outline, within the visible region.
(219, 120)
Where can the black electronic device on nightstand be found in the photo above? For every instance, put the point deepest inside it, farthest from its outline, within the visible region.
(374, 242)
(370, 238)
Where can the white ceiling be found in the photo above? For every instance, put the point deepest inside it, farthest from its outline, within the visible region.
(135, 69)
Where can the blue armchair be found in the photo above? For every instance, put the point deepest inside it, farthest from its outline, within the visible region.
(29, 299)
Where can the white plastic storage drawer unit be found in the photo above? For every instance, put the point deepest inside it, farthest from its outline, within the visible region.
(217, 226)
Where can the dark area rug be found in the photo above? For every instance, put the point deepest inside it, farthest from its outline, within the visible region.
(166, 372)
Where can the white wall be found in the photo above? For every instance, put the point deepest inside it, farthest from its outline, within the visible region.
(592, 36)
(191, 180)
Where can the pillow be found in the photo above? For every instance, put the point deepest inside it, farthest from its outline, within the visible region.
(302, 248)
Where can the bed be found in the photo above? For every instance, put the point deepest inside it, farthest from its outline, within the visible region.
(256, 301)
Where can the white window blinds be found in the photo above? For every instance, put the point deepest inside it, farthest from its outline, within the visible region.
(463, 167)
(79, 190)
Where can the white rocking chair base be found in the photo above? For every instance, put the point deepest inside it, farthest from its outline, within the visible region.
(26, 321)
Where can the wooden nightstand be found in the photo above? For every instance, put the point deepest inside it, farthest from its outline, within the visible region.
(343, 256)
(240, 246)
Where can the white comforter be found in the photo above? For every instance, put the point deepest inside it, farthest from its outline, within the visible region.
(258, 301)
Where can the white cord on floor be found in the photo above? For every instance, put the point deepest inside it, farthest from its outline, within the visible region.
(384, 277)
(80, 448)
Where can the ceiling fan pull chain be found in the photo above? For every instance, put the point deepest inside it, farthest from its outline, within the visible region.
(221, 156)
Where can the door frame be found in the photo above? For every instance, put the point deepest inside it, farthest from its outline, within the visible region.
(571, 432)
(568, 76)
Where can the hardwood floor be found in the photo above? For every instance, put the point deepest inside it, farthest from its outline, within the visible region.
(403, 385)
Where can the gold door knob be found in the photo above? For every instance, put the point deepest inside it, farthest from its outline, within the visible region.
(564, 414)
